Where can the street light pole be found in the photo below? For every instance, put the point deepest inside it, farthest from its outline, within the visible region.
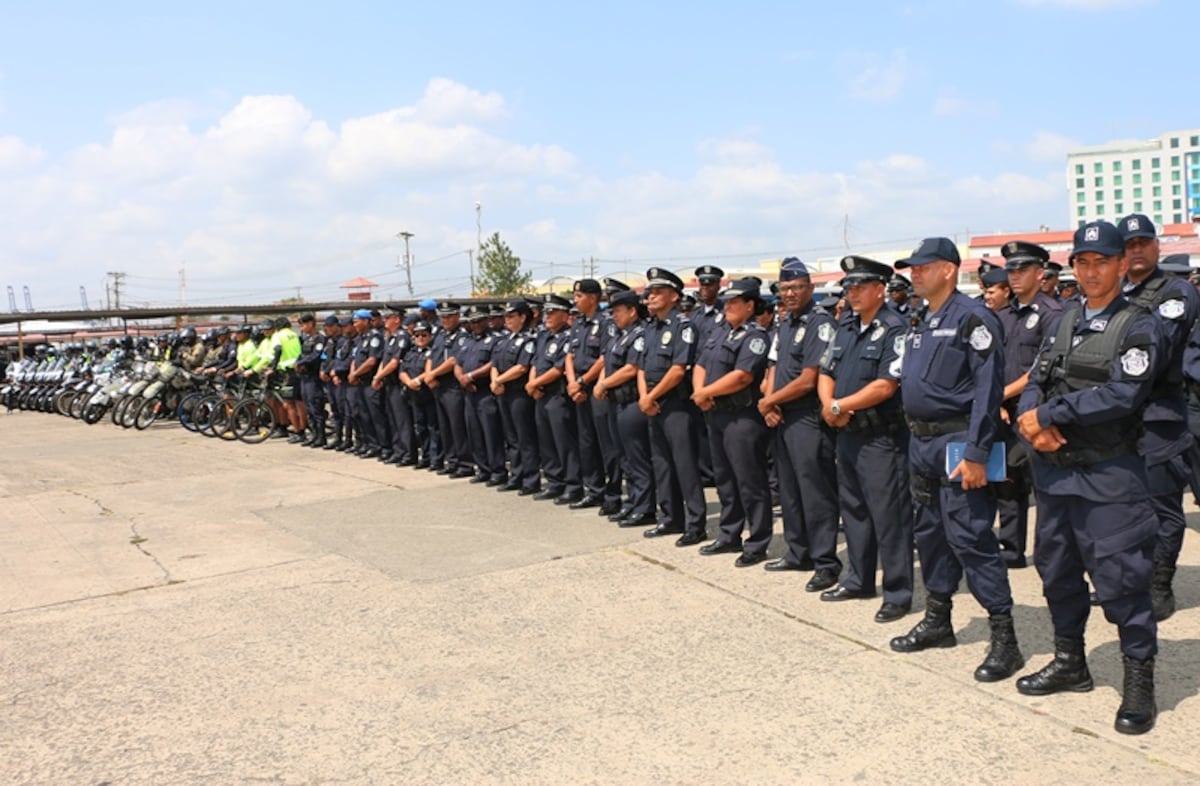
(478, 242)
(406, 236)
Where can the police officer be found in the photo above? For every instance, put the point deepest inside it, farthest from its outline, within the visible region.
(897, 292)
(951, 387)
(511, 361)
(332, 331)
(860, 374)
(804, 443)
(474, 371)
(440, 377)
(427, 448)
(996, 291)
(348, 437)
(547, 385)
(386, 380)
(708, 314)
(1050, 276)
(585, 360)
(1167, 440)
(312, 392)
(726, 385)
(368, 404)
(1068, 288)
(1030, 319)
(1081, 413)
(664, 397)
(629, 425)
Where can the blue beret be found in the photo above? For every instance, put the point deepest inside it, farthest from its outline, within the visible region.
(428, 304)
(362, 313)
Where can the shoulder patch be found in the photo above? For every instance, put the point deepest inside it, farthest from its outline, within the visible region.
(1171, 309)
(639, 344)
(981, 338)
(552, 348)
(825, 332)
(758, 345)
(374, 343)
(687, 334)
(898, 345)
(1135, 362)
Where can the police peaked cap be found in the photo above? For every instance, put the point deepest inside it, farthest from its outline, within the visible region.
(447, 309)
(860, 270)
(625, 297)
(556, 303)
(709, 274)
(661, 277)
(1020, 253)
(612, 285)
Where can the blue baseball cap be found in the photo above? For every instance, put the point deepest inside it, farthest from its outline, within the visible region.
(932, 249)
(428, 304)
(1099, 237)
(362, 313)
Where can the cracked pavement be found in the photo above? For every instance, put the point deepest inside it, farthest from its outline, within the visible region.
(177, 610)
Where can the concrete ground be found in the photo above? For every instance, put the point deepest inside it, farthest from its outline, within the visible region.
(179, 610)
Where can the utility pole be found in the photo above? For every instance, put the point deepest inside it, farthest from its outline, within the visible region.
(407, 236)
(183, 287)
(478, 240)
(116, 288)
(83, 298)
(471, 267)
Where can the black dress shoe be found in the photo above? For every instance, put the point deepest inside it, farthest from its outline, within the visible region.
(620, 514)
(422, 464)
(547, 494)
(691, 539)
(777, 565)
(721, 547)
(370, 454)
(661, 531)
(444, 470)
(512, 485)
(749, 558)
(609, 508)
(822, 580)
(496, 482)
(532, 491)
(841, 593)
(333, 446)
(588, 501)
(459, 474)
(478, 479)
(385, 456)
(890, 612)
(636, 521)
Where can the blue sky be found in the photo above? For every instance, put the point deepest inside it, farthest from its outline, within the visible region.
(265, 147)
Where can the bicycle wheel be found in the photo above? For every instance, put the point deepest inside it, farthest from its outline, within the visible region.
(221, 420)
(187, 411)
(147, 413)
(202, 412)
(78, 404)
(62, 402)
(253, 421)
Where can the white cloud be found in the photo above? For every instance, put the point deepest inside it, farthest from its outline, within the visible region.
(874, 77)
(949, 104)
(266, 197)
(1049, 147)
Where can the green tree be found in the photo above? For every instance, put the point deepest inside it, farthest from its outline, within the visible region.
(499, 270)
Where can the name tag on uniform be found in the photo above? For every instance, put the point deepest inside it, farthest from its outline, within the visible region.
(945, 332)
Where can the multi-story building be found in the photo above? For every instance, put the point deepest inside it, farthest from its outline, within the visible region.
(1158, 177)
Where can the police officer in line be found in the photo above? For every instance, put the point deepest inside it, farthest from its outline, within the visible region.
(997, 294)
(708, 316)
(1167, 440)
(511, 361)
(336, 354)
(289, 391)
(427, 445)
(1068, 288)
(439, 376)
(1050, 278)
(312, 392)
(664, 396)
(474, 371)
(897, 292)
(860, 374)
(367, 350)
(1030, 319)
(1082, 415)
(547, 385)
(951, 388)
(584, 362)
(396, 344)
(630, 427)
(726, 384)
(804, 444)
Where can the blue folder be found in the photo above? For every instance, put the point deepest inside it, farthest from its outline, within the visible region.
(997, 465)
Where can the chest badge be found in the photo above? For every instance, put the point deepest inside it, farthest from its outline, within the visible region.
(1031, 321)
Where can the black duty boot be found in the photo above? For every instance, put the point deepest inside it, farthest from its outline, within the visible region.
(1162, 597)
(932, 631)
(1138, 711)
(1068, 671)
(1004, 656)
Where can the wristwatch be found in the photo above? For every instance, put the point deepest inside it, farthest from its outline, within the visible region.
(834, 409)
